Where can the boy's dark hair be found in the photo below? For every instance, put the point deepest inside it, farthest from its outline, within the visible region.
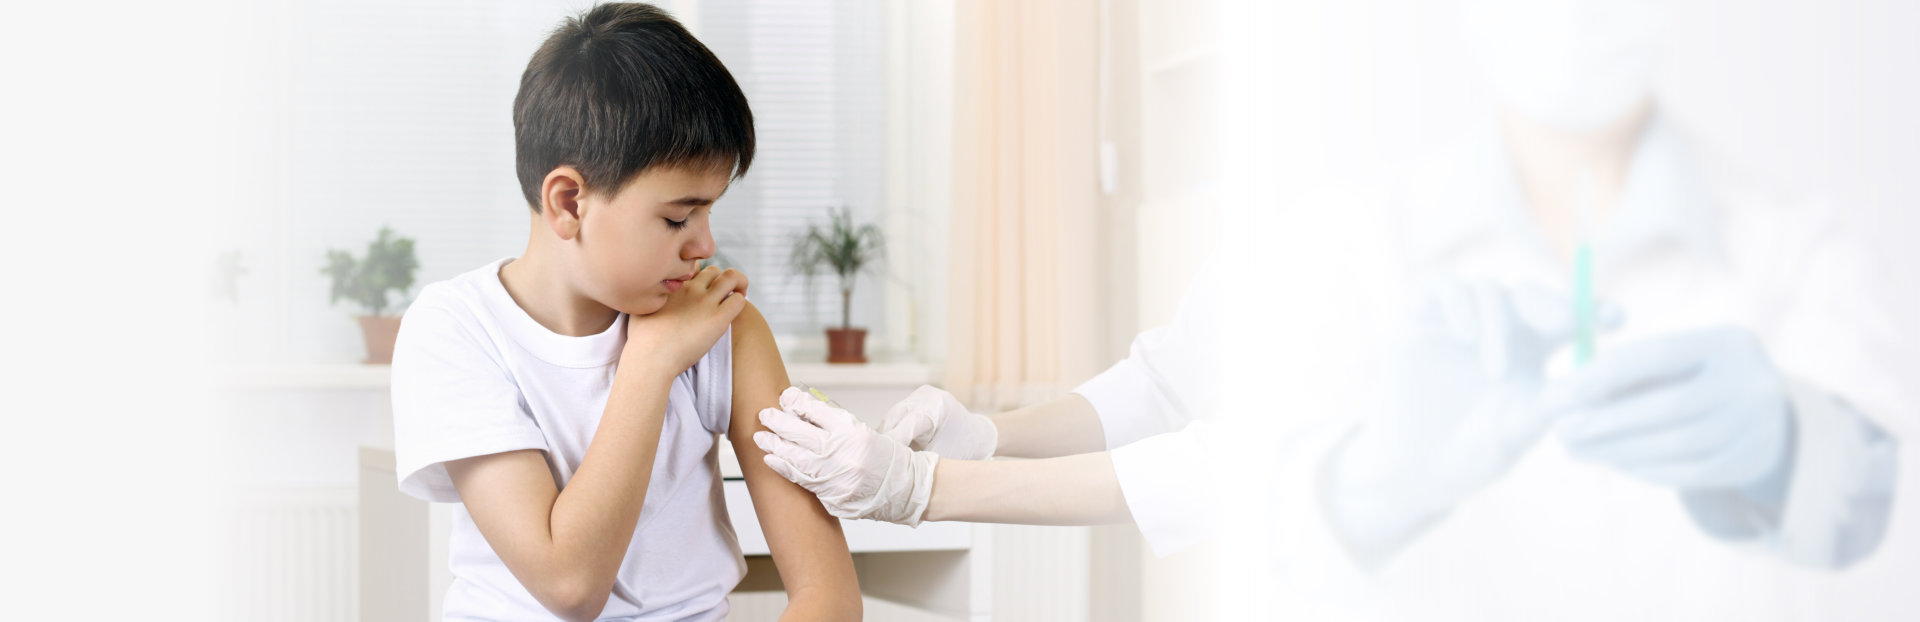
(622, 88)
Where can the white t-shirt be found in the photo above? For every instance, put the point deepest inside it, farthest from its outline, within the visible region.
(473, 375)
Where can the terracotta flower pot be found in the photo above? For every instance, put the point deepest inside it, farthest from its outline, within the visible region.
(380, 332)
(846, 345)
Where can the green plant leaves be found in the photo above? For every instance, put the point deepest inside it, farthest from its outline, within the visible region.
(840, 246)
(389, 265)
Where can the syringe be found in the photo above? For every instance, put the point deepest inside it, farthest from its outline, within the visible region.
(1584, 309)
(816, 393)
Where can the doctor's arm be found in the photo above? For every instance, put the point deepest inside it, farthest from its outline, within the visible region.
(1162, 484)
(1063, 427)
(1070, 490)
(859, 473)
(1165, 378)
(807, 544)
(1782, 435)
(1169, 486)
(1828, 504)
(1134, 399)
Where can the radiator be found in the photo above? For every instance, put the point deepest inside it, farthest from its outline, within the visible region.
(291, 556)
(1040, 573)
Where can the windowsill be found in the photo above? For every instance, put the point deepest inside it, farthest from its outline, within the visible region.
(882, 370)
(310, 376)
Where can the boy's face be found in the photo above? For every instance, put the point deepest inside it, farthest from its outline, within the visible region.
(642, 243)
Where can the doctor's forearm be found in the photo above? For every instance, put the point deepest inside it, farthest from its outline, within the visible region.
(1073, 490)
(1062, 427)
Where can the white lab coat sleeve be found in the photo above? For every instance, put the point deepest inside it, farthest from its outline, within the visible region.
(1134, 399)
(1171, 374)
(1839, 489)
(1172, 486)
(1849, 360)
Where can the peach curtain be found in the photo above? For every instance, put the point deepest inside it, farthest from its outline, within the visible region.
(1024, 284)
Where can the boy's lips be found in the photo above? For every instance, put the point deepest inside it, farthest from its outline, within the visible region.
(674, 284)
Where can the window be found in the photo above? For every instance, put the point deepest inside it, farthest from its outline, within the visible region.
(369, 113)
(813, 71)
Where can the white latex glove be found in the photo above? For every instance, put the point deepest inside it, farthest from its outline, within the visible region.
(1702, 409)
(933, 420)
(856, 472)
(1462, 406)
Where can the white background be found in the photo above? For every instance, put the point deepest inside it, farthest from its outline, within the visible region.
(128, 146)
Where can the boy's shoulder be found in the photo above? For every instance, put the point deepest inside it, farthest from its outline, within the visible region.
(460, 305)
(466, 291)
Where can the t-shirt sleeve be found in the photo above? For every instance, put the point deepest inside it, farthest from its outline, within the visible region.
(713, 386)
(452, 399)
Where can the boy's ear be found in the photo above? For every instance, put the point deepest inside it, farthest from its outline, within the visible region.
(560, 196)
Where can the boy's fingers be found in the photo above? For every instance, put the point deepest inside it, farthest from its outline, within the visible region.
(735, 279)
(731, 306)
(705, 276)
(727, 285)
(721, 286)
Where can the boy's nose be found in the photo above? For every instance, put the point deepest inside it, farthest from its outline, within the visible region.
(701, 247)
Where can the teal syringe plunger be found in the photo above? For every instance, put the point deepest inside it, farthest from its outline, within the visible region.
(1584, 311)
(1583, 305)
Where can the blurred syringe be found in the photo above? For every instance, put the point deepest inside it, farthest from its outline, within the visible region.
(816, 393)
(1584, 309)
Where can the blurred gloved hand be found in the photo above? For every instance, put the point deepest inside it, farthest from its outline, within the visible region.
(933, 420)
(856, 472)
(1461, 406)
(1702, 409)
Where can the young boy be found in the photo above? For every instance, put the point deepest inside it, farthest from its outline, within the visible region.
(569, 399)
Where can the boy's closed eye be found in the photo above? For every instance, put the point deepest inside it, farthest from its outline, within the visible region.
(681, 210)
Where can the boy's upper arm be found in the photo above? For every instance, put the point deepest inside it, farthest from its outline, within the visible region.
(510, 497)
(452, 398)
(808, 546)
(460, 434)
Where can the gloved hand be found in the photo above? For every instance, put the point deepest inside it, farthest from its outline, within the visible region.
(1703, 409)
(856, 472)
(934, 420)
(1461, 407)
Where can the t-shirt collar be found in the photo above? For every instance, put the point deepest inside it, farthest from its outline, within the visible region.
(562, 350)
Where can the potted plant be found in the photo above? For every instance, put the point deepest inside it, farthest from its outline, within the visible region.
(388, 265)
(846, 249)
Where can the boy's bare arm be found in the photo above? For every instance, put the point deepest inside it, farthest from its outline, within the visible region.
(566, 546)
(808, 546)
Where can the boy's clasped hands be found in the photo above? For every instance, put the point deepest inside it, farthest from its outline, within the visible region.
(693, 319)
